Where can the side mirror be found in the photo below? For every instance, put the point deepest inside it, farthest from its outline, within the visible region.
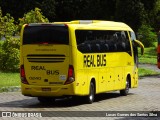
(140, 44)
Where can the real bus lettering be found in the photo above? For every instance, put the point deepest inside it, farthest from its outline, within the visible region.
(52, 72)
(38, 68)
(101, 60)
(89, 60)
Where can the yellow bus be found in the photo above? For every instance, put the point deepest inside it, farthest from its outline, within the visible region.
(78, 58)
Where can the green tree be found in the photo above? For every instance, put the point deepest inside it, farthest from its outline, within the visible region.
(9, 60)
(17, 8)
(148, 36)
(152, 8)
(34, 16)
(108, 9)
(99, 9)
(131, 12)
(157, 17)
(7, 26)
(67, 10)
(84, 9)
(48, 8)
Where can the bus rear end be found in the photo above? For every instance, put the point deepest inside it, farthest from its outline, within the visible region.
(45, 60)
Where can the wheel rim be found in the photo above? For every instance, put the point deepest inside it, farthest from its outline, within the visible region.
(127, 86)
(91, 96)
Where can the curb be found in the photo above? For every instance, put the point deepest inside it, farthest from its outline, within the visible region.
(10, 89)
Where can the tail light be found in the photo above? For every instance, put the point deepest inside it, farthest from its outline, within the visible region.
(71, 76)
(23, 76)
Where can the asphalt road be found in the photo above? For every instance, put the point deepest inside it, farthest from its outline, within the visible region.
(145, 98)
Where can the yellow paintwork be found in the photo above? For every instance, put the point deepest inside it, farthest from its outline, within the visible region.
(107, 78)
(141, 46)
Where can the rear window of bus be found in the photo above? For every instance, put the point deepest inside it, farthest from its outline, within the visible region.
(49, 34)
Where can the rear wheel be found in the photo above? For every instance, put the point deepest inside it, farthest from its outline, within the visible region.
(46, 100)
(126, 90)
(91, 96)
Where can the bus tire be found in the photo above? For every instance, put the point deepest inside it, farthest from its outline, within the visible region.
(125, 91)
(46, 100)
(91, 96)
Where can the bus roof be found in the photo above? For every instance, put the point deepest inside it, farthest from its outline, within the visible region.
(96, 24)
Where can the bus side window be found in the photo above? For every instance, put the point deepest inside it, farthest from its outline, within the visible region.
(121, 42)
(97, 41)
(128, 45)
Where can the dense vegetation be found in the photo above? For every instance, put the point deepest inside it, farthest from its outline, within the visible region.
(132, 12)
(143, 16)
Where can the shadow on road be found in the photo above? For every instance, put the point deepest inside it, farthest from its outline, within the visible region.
(65, 102)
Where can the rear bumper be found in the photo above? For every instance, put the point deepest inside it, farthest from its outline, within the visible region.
(55, 91)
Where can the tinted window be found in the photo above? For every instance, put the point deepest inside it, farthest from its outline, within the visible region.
(135, 49)
(133, 36)
(46, 34)
(91, 41)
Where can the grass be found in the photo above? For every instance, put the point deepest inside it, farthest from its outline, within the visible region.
(147, 72)
(149, 57)
(9, 79)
